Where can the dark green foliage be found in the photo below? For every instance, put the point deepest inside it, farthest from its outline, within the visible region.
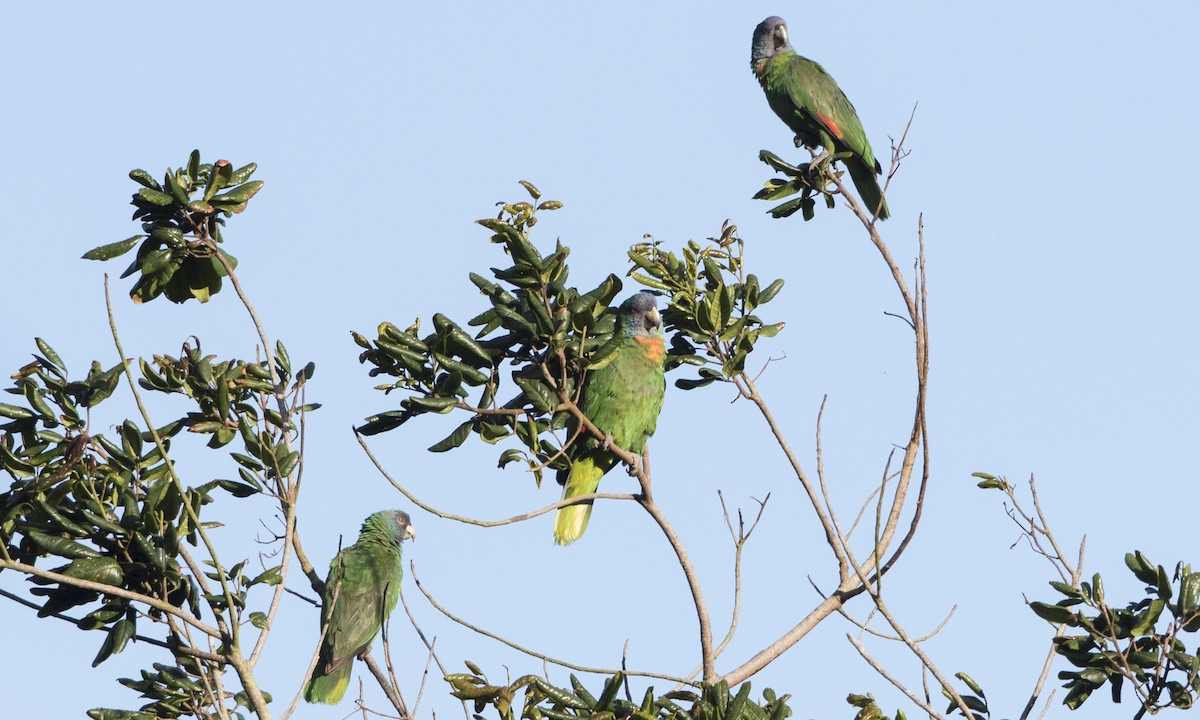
(805, 179)
(107, 509)
(181, 224)
(543, 335)
(976, 700)
(710, 316)
(543, 701)
(867, 709)
(1140, 643)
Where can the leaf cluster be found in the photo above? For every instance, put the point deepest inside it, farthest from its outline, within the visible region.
(809, 179)
(105, 510)
(1139, 643)
(868, 709)
(547, 334)
(181, 226)
(711, 313)
(544, 701)
(544, 332)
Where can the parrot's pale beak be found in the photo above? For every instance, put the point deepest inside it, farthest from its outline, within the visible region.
(410, 533)
(654, 317)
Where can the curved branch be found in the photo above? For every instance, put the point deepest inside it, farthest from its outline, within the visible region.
(689, 572)
(857, 582)
(486, 523)
(532, 653)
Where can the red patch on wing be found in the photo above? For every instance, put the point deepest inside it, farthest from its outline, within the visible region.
(831, 125)
(654, 347)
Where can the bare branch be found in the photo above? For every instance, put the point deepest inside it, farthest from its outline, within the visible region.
(527, 651)
(393, 694)
(923, 704)
(486, 523)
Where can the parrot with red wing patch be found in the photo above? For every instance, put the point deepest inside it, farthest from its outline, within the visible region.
(808, 100)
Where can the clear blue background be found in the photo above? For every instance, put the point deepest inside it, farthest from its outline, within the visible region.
(1053, 158)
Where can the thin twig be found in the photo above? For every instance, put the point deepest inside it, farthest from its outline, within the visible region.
(393, 694)
(486, 523)
(527, 651)
(862, 650)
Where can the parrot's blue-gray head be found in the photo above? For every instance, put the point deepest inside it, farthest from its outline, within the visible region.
(770, 37)
(640, 317)
(393, 524)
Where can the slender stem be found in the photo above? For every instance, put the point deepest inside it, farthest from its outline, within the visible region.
(393, 694)
(862, 650)
(485, 523)
(689, 571)
(527, 651)
(230, 629)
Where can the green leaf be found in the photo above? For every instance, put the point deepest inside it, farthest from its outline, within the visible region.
(15, 413)
(1163, 584)
(155, 197)
(533, 191)
(118, 635)
(49, 353)
(1142, 567)
(104, 570)
(61, 546)
(1189, 601)
(1147, 618)
(144, 179)
(769, 292)
(439, 405)
(112, 250)
(537, 393)
(777, 163)
(454, 439)
(238, 195)
(1053, 613)
(242, 174)
(790, 207)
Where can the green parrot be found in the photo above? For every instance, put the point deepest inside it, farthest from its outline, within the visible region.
(622, 395)
(808, 100)
(365, 578)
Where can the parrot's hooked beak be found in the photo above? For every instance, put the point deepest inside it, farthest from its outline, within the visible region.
(410, 533)
(653, 319)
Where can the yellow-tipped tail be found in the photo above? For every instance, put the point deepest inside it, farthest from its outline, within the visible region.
(328, 688)
(571, 521)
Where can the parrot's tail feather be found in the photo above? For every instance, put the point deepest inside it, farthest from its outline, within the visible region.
(329, 688)
(571, 521)
(868, 187)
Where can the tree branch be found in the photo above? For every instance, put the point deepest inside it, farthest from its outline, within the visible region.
(527, 651)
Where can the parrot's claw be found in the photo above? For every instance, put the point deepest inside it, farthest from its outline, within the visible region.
(822, 161)
(635, 467)
(607, 443)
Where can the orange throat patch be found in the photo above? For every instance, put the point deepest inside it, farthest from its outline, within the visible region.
(654, 347)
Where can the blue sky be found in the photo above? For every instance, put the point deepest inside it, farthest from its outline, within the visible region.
(1052, 159)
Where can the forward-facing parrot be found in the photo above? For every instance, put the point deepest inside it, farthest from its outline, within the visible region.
(622, 396)
(360, 593)
(805, 97)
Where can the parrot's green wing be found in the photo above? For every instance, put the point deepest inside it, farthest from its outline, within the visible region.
(360, 593)
(622, 397)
